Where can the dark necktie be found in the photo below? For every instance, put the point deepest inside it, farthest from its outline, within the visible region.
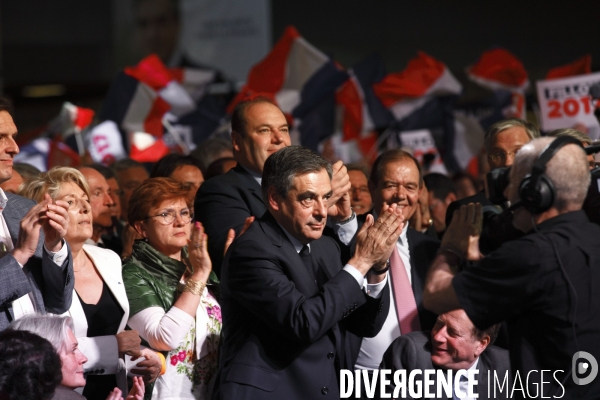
(311, 267)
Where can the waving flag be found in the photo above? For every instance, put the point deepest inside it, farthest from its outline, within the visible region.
(581, 66)
(421, 97)
(362, 113)
(302, 81)
(500, 71)
(169, 105)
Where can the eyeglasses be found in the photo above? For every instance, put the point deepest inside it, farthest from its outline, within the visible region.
(502, 156)
(170, 215)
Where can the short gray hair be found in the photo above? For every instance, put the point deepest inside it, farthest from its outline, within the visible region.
(283, 166)
(505, 124)
(53, 328)
(568, 170)
(50, 182)
(574, 133)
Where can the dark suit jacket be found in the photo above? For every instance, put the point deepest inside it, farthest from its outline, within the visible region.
(224, 202)
(413, 351)
(284, 338)
(51, 285)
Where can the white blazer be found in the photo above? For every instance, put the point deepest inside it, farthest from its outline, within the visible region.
(102, 351)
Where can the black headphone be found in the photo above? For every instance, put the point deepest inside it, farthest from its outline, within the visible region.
(536, 190)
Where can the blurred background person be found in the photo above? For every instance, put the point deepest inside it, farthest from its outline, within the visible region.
(130, 174)
(360, 197)
(99, 308)
(166, 282)
(211, 150)
(13, 184)
(220, 167)
(101, 202)
(29, 366)
(441, 194)
(27, 171)
(184, 169)
(464, 184)
(59, 331)
(112, 238)
(584, 139)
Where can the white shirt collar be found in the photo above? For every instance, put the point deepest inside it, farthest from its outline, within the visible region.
(3, 200)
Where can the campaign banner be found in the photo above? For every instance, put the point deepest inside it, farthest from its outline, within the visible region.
(424, 149)
(565, 103)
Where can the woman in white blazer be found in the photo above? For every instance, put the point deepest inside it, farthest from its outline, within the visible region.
(100, 308)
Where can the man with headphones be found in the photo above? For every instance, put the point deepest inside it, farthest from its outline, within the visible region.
(543, 284)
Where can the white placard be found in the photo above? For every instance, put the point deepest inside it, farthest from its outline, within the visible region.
(565, 103)
(231, 35)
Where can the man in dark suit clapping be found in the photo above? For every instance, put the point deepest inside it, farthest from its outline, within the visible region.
(287, 301)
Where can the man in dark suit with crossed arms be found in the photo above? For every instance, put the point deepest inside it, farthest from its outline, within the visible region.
(287, 301)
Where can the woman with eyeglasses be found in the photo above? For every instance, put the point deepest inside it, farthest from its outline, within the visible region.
(170, 287)
(99, 308)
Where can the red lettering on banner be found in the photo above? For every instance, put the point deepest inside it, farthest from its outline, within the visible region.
(571, 107)
(554, 109)
(101, 143)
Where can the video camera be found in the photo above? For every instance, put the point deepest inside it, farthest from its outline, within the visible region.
(498, 180)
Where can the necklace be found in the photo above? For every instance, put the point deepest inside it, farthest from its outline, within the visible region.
(82, 267)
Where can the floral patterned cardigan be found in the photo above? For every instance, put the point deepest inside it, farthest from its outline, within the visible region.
(154, 280)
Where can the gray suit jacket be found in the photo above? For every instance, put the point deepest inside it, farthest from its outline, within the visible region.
(413, 351)
(51, 285)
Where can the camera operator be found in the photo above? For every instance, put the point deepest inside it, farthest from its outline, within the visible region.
(501, 142)
(543, 284)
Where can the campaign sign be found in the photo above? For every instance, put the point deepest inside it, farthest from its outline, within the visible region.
(565, 103)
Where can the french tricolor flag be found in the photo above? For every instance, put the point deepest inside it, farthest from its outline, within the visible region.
(302, 81)
(421, 99)
(147, 102)
(581, 66)
(362, 113)
(500, 70)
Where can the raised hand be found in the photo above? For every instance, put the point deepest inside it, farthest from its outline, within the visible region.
(29, 232)
(231, 233)
(137, 390)
(198, 254)
(376, 239)
(56, 223)
(464, 231)
(339, 202)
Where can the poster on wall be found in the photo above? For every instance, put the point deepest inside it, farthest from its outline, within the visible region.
(565, 103)
(226, 35)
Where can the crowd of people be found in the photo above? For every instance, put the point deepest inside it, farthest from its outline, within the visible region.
(260, 270)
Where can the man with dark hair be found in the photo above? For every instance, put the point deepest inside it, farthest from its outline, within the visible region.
(36, 266)
(543, 284)
(184, 169)
(360, 197)
(288, 304)
(259, 129)
(130, 174)
(454, 343)
(396, 179)
(441, 194)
